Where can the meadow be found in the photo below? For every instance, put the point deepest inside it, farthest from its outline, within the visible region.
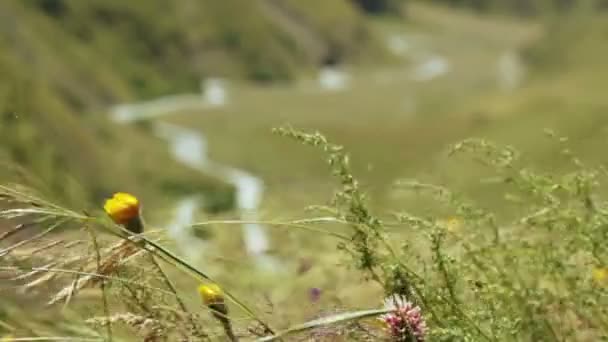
(477, 209)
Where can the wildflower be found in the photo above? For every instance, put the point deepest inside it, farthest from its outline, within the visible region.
(452, 224)
(211, 294)
(315, 294)
(213, 297)
(405, 322)
(600, 275)
(124, 209)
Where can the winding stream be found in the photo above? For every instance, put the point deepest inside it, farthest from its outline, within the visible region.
(190, 147)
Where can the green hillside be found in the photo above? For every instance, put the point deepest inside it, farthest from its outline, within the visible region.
(63, 62)
(523, 7)
(487, 245)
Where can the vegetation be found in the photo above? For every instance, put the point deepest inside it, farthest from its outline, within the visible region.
(525, 7)
(64, 62)
(475, 277)
(480, 214)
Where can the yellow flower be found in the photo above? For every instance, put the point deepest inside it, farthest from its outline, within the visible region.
(211, 294)
(123, 209)
(452, 224)
(213, 297)
(600, 275)
(7, 338)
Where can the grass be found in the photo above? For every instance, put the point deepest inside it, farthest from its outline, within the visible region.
(485, 279)
(387, 125)
(522, 259)
(63, 67)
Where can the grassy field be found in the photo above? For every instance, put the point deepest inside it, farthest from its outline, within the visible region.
(522, 258)
(64, 63)
(393, 125)
(389, 138)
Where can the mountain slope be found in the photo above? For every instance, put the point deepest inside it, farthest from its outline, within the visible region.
(63, 62)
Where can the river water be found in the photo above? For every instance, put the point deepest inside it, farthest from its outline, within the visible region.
(190, 147)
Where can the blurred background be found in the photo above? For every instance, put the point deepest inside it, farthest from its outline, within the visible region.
(175, 101)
